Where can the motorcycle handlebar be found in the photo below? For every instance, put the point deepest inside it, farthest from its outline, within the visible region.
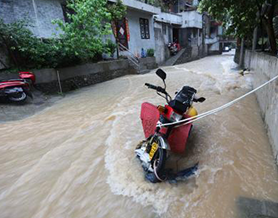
(202, 99)
(157, 88)
(150, 86)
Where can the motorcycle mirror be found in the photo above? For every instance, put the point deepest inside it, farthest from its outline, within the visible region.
(161, 74)
(202, 99)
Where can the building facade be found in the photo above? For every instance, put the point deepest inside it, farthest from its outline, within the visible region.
(144, 26)
(165, 28)
(136, 31)
(39, 13)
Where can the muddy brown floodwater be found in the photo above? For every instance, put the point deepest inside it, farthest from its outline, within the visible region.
(76, 159)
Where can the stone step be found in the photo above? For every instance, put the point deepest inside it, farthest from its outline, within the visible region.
(172, 60)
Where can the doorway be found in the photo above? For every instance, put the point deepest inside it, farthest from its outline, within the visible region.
(176, 33)
(122, 33)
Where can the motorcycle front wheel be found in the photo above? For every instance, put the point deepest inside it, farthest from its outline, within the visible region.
(19, 97)
(159, 160)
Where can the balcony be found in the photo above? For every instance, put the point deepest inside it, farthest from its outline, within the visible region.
(170, 18)
(191, 19)
(209, 41)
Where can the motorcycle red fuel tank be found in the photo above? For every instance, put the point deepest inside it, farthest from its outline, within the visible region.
(177, 139)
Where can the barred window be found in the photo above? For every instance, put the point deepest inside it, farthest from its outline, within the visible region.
(144, 28)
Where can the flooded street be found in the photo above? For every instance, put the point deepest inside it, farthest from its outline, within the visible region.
(76, 159)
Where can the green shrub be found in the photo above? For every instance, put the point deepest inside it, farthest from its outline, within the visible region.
(150, 52)
(25, 50)
(81, 40)
(89, 23)
(111, 47)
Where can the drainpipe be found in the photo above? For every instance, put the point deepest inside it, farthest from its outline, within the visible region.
(36, 16)
(255, 39)
(59, 82)
(241, 57)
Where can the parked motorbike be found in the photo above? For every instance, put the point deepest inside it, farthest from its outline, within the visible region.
(153, 151)
(174, 48)
(17, 90)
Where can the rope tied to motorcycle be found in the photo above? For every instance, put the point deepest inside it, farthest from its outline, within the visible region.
(178, 111)
(216, 110)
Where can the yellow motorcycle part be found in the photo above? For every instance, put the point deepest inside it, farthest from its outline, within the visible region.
(192, 112)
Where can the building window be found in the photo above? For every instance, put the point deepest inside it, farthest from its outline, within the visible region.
(144, 28)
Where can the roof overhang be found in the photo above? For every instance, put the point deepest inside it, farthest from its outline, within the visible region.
(169, 18)
(140, 6)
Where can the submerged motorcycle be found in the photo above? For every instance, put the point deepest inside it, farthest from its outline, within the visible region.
(161, 131)
(17, 90)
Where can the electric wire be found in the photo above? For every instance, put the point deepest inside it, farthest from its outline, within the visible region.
(216, 110)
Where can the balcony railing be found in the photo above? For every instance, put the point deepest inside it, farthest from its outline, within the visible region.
(129, 55)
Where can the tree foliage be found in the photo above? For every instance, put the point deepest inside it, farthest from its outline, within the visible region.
(275, 21)
(241, 17)
(80, 40)
(83, 36)
(26, 50)
(238, 16)
(117, 10)
(165, 5)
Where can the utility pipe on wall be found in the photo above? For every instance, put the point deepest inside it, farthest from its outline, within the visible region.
(36, 16)
(241, 53)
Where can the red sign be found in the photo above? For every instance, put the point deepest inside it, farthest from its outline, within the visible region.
(114, 28)
(127, 29)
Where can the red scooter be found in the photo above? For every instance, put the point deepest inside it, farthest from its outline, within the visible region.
(174, 48)
(161, 132)
(17, 90)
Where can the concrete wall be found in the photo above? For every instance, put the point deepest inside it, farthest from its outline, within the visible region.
(190, 53)
(214, 48)
(161, 41)
(195, 51)
(84, 75)
(147, 64)
(77, 76)
(265, 67)
(192, 19)
(47, 11)
(169, 18)
(39, 13)
(136, 43)
(81, 75)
